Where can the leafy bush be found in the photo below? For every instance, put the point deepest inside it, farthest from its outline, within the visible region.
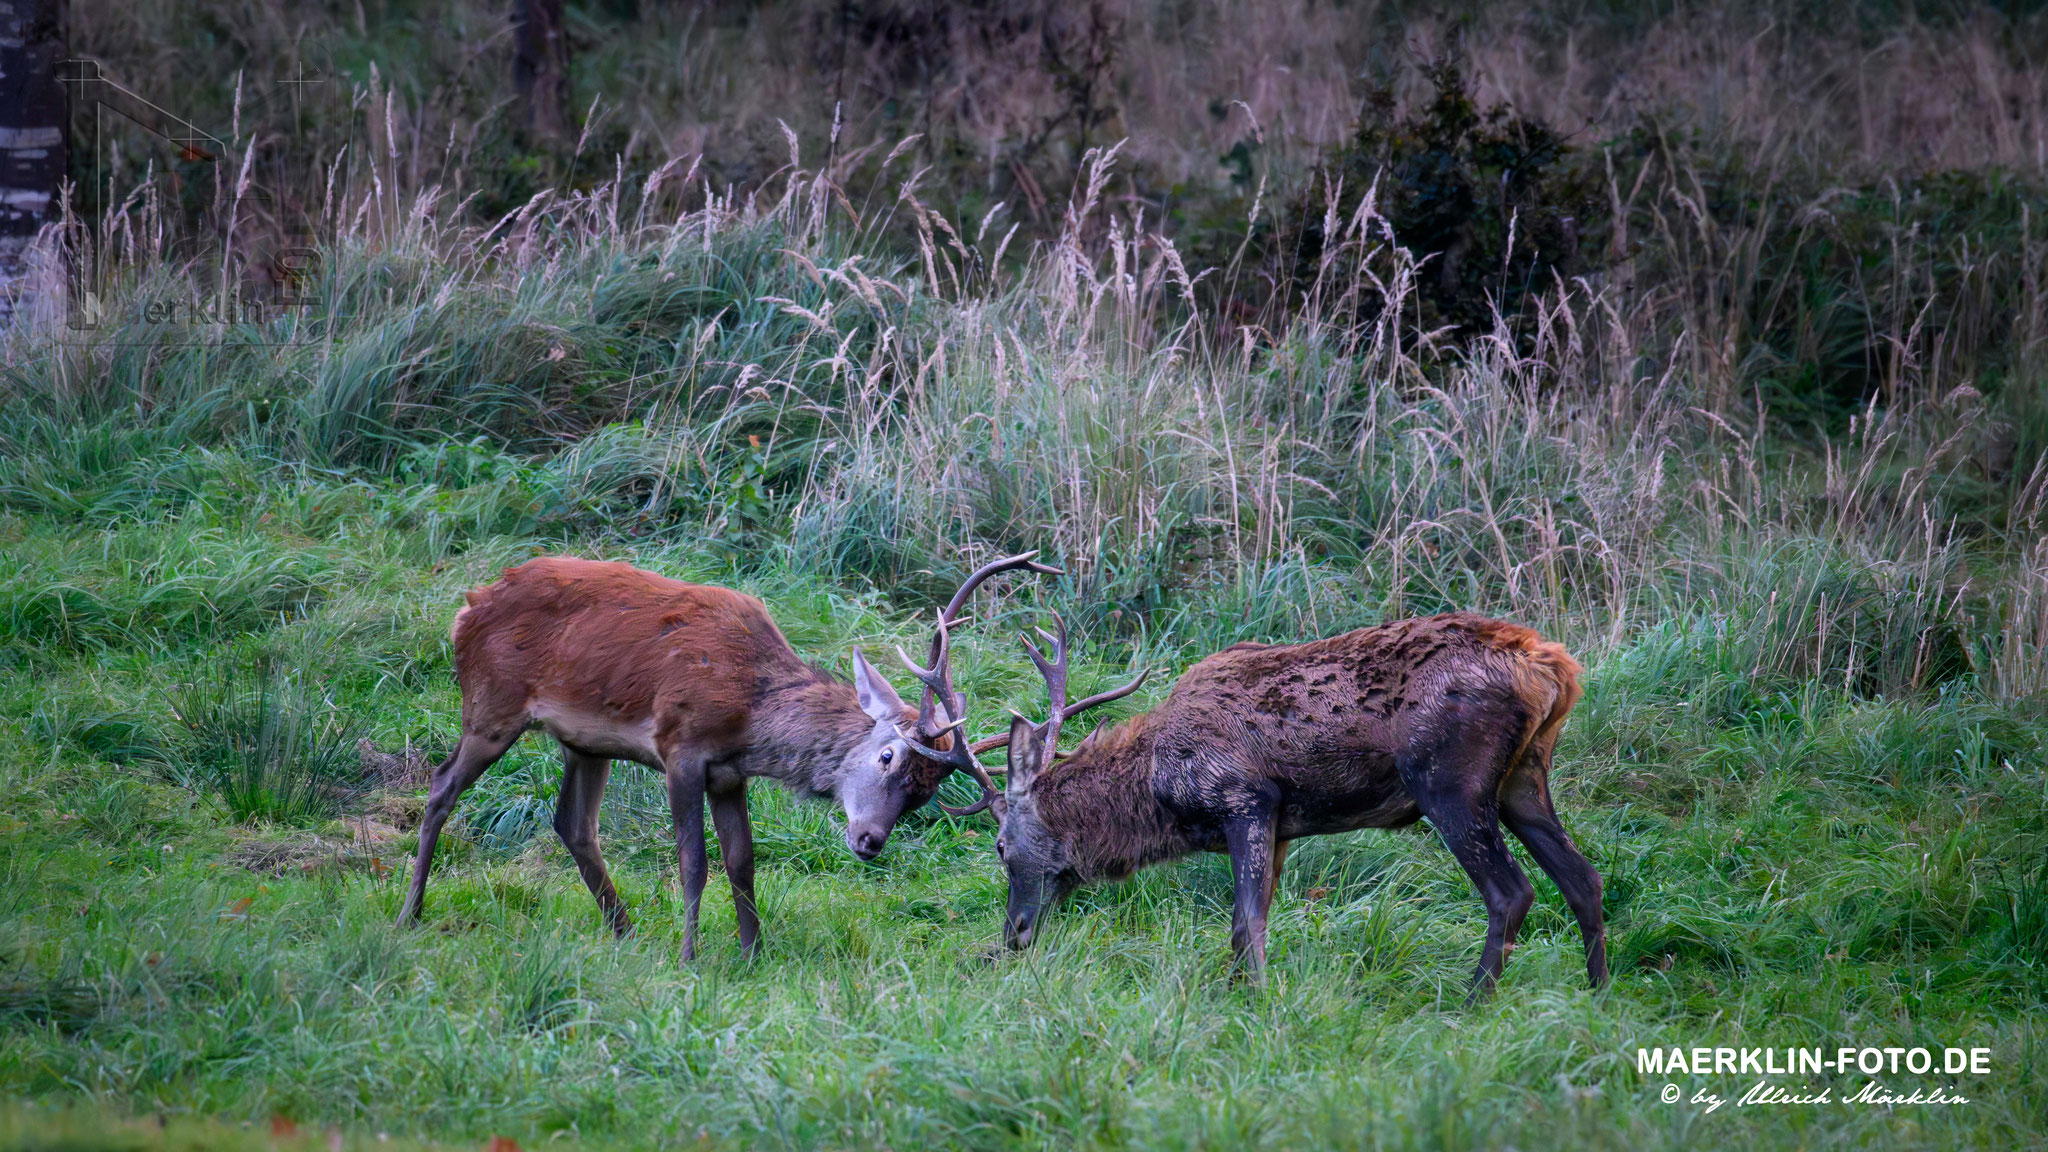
(1497, 201)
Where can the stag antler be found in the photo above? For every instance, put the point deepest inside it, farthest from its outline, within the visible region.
(926, 719)
(1055, 673)
(938, 685)
(937, 682)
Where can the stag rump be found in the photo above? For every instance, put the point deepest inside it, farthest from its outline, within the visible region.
(1452, 717)
(697, 683)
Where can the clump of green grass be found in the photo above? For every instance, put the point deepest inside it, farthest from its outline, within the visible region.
(269, 746)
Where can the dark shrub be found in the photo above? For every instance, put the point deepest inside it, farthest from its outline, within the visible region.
(1494, 200)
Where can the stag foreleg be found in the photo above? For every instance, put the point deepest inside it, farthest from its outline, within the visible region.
(736, 850)
(1273, 874)
(1255, 869)
(686, 807)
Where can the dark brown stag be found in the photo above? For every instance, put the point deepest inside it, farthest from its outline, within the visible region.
(697, 683)
(1452, 717)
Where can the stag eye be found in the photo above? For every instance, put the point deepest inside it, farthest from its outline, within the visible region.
(1002, 850)
(888, 754)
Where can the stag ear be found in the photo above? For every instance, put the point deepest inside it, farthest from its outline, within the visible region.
(1026, 754)
(877, 698)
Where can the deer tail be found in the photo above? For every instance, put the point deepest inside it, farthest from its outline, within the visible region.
(474, 602)
(1546, 679)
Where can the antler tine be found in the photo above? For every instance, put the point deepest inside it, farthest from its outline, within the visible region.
(933, 678)
(1054, 670)
(1059, 656)
(937, 681)
(1112, 694)
(938, 684)
(1055, 673)
(988, 797)
(934, 681)
(1025, 560)
(989, 792)
(950, 616)
(961, 757)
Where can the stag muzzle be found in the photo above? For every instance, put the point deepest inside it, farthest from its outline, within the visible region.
(1020, 915)
(866, 841)
(1021, 928)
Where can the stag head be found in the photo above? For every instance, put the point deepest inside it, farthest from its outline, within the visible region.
(1036, 860)
(902, 762)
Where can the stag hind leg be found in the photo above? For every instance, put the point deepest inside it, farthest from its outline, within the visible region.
(583, 780)
(1455, 779)
(474, 753)
(1526, 809)
(736, 852)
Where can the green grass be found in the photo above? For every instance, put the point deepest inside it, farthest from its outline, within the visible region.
(1806, 867)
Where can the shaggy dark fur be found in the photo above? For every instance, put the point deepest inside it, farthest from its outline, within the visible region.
(1453, 717)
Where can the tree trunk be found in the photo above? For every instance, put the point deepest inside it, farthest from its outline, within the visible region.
(34, 132)
(540, 66)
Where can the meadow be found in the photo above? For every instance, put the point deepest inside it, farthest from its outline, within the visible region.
(1772, 461)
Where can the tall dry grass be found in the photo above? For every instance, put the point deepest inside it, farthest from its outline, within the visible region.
(760, 369)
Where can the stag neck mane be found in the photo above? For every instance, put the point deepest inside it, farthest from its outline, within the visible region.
(1100, 804)
(804, 729)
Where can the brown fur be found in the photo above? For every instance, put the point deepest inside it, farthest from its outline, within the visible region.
(693, 681)
(705, 666)
(1318, 713)
(1113, 824)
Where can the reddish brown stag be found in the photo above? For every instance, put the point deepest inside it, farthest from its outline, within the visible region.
(1452, 717)
(697, 683)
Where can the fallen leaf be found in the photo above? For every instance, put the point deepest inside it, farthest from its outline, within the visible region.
(281, 1128)
(1318, 892)
(504, 1144)
(239, 910)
